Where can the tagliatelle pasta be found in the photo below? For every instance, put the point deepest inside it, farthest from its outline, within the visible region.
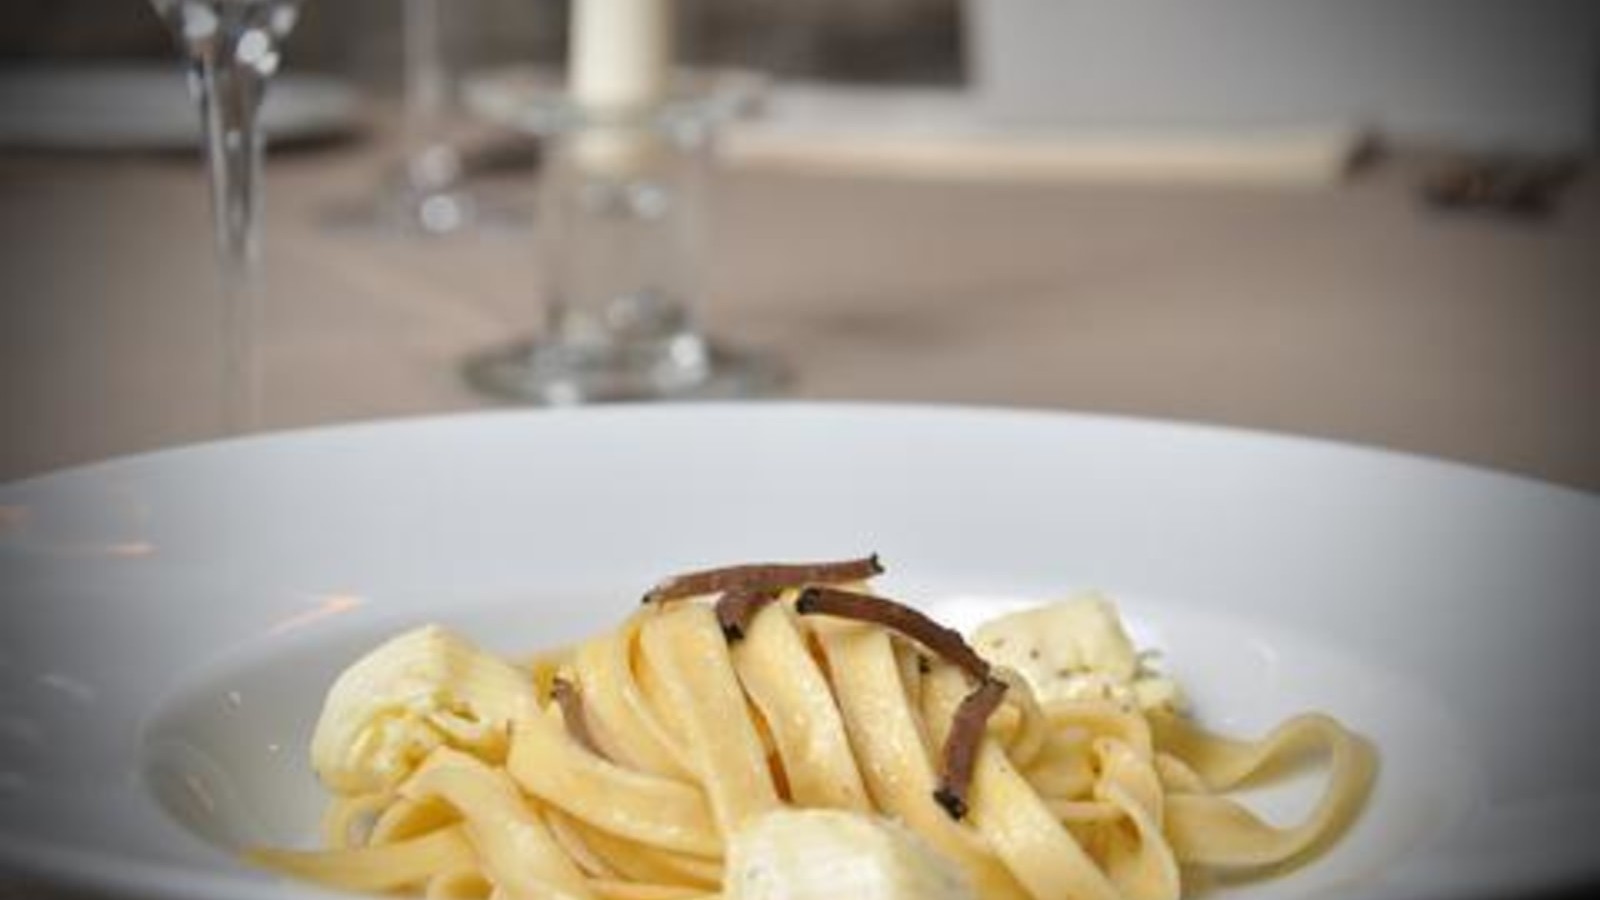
(629, 761)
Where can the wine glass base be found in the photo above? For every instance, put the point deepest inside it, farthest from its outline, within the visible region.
(535, 372)
(437, 215)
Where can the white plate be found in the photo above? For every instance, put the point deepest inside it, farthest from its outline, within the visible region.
(171, 620)
(148, 107)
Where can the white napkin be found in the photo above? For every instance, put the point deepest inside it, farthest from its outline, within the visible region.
(942, 134)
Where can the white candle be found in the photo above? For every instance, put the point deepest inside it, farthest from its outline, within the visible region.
(619, 61)
(620, 52)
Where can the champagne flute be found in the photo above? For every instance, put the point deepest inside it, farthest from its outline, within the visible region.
(231, 49)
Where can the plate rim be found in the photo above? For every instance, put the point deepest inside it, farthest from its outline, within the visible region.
(428, 420)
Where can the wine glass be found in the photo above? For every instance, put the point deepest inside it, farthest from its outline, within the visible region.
(231, 48)
(423, 192)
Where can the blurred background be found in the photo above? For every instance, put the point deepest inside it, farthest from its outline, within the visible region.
(1481, 72)
(1372, 220)
(916, 40)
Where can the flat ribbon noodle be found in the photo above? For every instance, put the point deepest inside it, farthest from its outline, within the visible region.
(407, 817)
(348, 820)
(1020, 724)
(793, 694)
(1013, 818)
(1138, 860)
(1064, 769)
(459, 884)
(388, 867)
(1214, 831)
(892, 752)
(618, 858)
(685, 644)
(621, 717)
(515, 846)
(547, 763)
(625, 890)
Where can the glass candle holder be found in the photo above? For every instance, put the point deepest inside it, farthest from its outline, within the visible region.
(622, 251)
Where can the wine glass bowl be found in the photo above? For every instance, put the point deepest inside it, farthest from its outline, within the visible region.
(232, 48)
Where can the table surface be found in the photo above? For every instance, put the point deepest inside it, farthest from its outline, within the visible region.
(1350, 312)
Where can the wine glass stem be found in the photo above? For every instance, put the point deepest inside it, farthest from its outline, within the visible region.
(424, 70)
(230, 97)
(431, 162)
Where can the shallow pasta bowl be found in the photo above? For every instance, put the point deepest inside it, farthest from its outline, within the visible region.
(171, 621)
